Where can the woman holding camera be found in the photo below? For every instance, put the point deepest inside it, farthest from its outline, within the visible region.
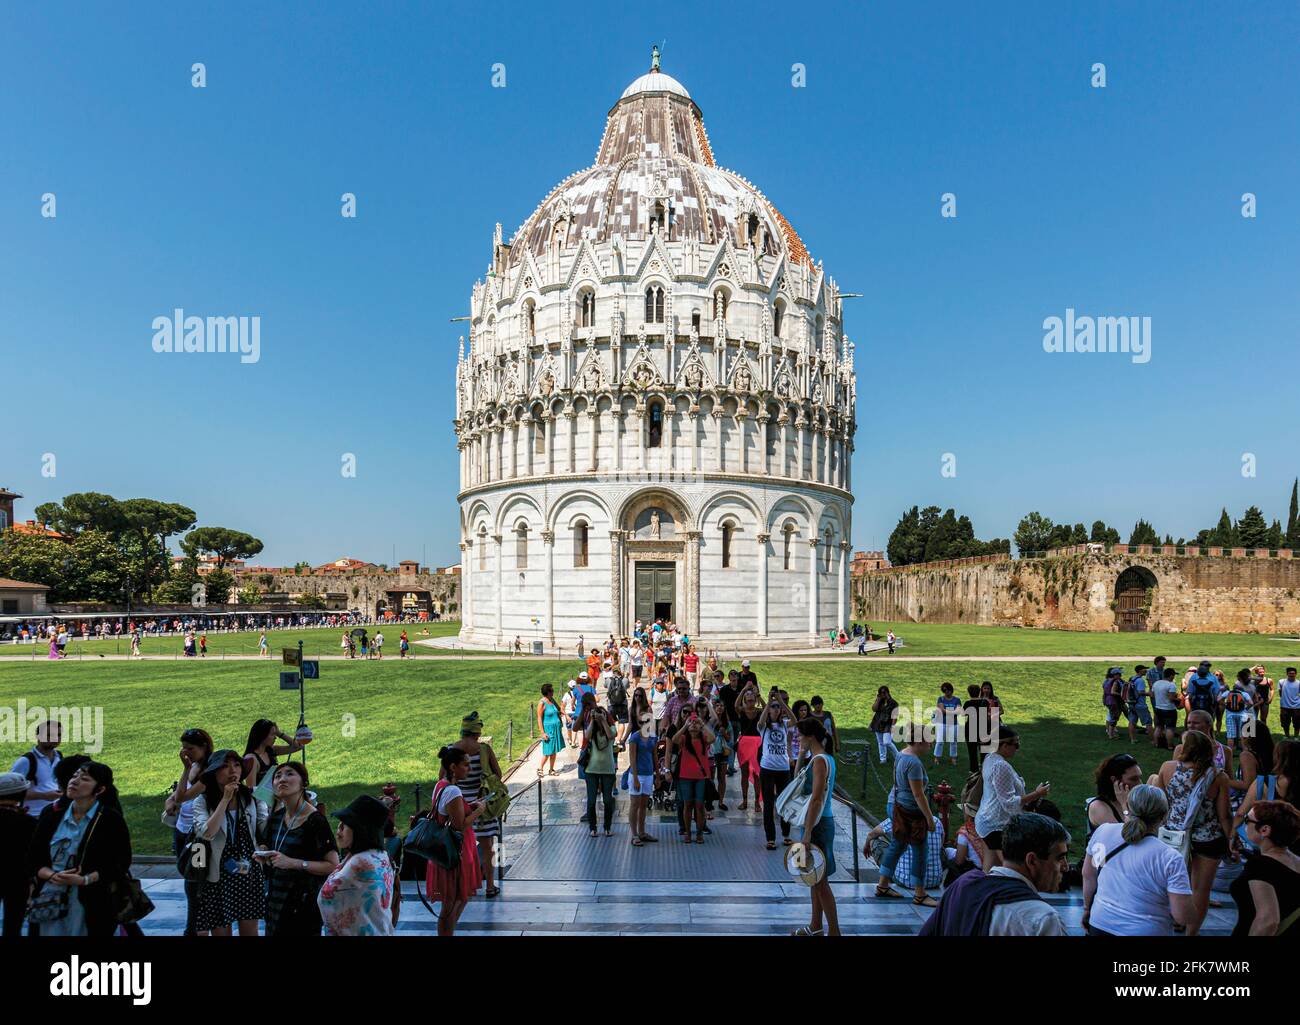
(196, 749)
(748, 743)
(598, 742)
(230, 818)
(301, 853)
(693, 741)
(774, 726)
(261, 751)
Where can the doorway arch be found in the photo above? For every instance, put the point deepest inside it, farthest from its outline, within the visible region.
(1133, 597)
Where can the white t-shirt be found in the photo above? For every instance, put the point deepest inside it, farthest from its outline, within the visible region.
(1162, 694)
(1133, 890)
(1290, 693)
(776, 748)
(448, 794)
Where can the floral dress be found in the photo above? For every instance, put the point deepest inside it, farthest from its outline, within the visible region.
(356, 899)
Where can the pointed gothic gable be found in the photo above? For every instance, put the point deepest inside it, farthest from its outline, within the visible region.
(785, 382)
(593, 373)
(586, 264)
(745, 377)
(693, 374)
(656, 252)
(528, 278)
(725, 266)
(547, 382)
(642, 372)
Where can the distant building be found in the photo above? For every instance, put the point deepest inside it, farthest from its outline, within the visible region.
(9, 521)
(20, 598)
(867, 562)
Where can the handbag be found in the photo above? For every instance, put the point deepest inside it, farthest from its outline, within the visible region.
(792, 803)
(435, 841)
(908, 826)
(127, 901)
(1180, 839)
(49, 905)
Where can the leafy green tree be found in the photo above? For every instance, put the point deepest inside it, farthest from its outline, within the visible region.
(1143, 534)
(1275, 535)
(149, 523)
(36, 559)
(84, 510)
(224, 543)
(98, 571)
(217, 586)
(1102, 534)
(1033, 534)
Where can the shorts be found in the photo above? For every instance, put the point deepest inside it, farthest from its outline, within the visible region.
(689, 790)
(823, 836)
(620, 714)
(1112, 715)
(1216, 848)
(1232, 724)
(1166, 718)
(1139, 712)
(994, 840)
(636, 672)
(641, 786)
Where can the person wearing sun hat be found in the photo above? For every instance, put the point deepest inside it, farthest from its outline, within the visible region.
(356, 899)
(16, 830)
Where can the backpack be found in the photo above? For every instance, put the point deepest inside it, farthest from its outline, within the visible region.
(1200, 694)
(617, 691)
(1234, 701)
(972, 791)
(31, 765)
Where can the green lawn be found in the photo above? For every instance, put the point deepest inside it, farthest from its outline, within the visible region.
(405, 711)
(316, 641)
(944, 639)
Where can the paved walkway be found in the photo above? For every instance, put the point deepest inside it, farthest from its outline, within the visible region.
(560, 881)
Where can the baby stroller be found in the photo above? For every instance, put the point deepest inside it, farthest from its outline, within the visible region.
(664, 796)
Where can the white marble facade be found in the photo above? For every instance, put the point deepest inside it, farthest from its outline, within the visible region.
(656, 413)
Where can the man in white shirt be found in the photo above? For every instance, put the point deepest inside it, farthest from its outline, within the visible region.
(1289, 696)
(37, 765)
(1007, 901)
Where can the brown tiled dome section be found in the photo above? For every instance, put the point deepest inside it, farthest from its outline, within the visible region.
(654, 147)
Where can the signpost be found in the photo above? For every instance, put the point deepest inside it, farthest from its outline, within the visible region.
(309, 670)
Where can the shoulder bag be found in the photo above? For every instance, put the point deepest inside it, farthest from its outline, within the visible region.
(792, 803)
(432, 840)
(1180, 838)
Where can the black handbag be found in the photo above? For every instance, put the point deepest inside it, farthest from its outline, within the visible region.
(193, 860)
(434, 841)
(127, 900)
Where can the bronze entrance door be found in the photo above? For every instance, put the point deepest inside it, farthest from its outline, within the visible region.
(656, 591)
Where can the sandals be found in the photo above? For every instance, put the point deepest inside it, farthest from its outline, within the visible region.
(925, 902)
(803, 930)
(593, 834)
(888, 894)
(771, 845)
(636, 841)
(493, 892)
(609, 832)
(787, 841)
(686, 838)
(699, 838)
(647, 838)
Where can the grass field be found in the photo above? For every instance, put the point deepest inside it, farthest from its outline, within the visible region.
(317, 641)
(402, 712)
(943, 639)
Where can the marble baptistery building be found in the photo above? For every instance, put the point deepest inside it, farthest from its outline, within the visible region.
(655, 416)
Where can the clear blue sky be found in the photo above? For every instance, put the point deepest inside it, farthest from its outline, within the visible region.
(225, 200)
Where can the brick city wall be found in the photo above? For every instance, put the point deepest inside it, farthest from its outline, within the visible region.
(1230, 593)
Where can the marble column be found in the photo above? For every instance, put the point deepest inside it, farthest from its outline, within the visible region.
(548, 542)
(844, 583)
(466, 577)
(514, 450)
(742, 425)
(787, 443)
(617, 435)
(813, 549)
(695, 439)
(616, 583)
(763, 420)
(572, 442)
(693, 587)
(531, 443)
(761, 624)
(500, 549)
(717, 427)
(594, 420)
(643, 440)
(800, 462)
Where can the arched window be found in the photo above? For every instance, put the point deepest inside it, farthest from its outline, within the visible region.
(787, 541)
(581, 537)
(530, 318)
(658, 219)
(829, 536)
(654, 304)
(655, 425)
(778, 314)
(560, 233)
(587, 308)
(720, 305)
(772, 431)
(521, 545)
(695, 320)
(482, 547)
(751, 230)
(539, 435)
(727, 530)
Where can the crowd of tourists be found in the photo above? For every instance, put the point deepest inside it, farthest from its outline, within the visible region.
(1213, 819)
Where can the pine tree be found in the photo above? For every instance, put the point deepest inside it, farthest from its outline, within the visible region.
(1252, 529)
(1143, 534)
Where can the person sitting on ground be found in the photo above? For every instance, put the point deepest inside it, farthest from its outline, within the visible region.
(1007, 901)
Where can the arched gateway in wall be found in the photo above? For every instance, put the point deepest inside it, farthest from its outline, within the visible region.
(655, 417)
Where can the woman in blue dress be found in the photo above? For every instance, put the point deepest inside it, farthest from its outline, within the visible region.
(551, 727)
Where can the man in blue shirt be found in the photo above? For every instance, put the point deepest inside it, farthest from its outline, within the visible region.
(1202, 691)
(1136, 695)
(1156, 673)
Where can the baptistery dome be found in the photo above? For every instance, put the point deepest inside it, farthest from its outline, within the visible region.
(656, 412)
